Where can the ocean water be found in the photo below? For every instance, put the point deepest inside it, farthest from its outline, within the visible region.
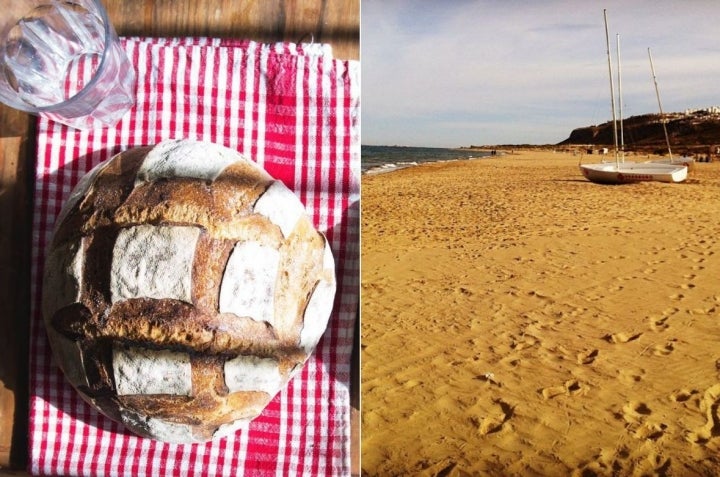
(387, 158)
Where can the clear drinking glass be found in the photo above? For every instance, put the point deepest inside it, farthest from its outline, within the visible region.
(61, 59)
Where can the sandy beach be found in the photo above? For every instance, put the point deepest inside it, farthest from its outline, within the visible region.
(520, 320)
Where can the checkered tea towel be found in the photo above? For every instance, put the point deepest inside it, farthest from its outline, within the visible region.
(294, 109)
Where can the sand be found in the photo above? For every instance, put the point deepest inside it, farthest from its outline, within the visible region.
(520, 320)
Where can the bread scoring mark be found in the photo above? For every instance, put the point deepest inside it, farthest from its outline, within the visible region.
(281, 206)
(248, 284)
(207, 378)
(63, 277)
(158, 429)
(251, 373)
(211, 255)
(108, 190)
(98, 251)
(186, 158)
(154, 262)
(223, 210)
(169, 324)
(145, 371)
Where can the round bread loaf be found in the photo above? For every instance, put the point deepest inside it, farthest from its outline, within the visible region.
(183, 288)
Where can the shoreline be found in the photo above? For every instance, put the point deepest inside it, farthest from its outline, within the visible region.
(537, 322)
(383, 159)
(397, 166)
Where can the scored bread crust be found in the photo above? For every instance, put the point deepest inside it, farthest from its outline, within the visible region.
(130, 229)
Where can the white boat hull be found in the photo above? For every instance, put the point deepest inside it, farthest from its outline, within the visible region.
(625, 173)
(688, 162)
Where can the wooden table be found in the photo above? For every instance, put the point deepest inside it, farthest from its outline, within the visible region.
(336, 23)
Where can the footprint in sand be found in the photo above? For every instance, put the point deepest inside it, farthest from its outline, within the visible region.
(634, 412)
(683, 395)
(702, 311)
(496, 419)
(617, 459)
(650, 431)
(463, 291)
(710, 406)
(587, 357)
(553, 391)
(621, 337)
(617, 288)
(631, 376)
(544, 298)
(512, 361)
(523, 342)
(625, 461)
(595, 296)
(571, 387)
(659, 325)
(639, 408)
(664, 350)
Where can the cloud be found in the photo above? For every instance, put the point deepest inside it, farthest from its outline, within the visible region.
(435, 73)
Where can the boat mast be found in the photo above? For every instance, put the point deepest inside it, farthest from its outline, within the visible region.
(620, 101)
(662, 116)
(612, 89)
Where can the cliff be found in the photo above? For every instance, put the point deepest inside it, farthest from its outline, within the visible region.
(697, 132)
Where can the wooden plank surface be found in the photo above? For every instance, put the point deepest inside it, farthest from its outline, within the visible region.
(336, 22)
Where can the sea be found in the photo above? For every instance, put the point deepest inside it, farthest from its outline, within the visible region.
(377, 159)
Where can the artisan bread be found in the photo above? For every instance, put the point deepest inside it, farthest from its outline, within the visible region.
(184, 286)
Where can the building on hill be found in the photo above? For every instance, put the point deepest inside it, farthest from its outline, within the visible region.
(710, 110)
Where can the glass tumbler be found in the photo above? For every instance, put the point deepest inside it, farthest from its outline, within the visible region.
(61, 59)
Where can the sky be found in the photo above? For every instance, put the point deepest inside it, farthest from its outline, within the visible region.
(480, 72)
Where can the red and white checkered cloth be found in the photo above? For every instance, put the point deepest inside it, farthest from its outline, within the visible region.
(295, 110)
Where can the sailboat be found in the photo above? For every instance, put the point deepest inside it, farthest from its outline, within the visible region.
(621, 172)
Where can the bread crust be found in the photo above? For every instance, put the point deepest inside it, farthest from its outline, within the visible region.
(86, 320)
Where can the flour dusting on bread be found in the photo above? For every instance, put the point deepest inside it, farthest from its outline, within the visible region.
(183, 288)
